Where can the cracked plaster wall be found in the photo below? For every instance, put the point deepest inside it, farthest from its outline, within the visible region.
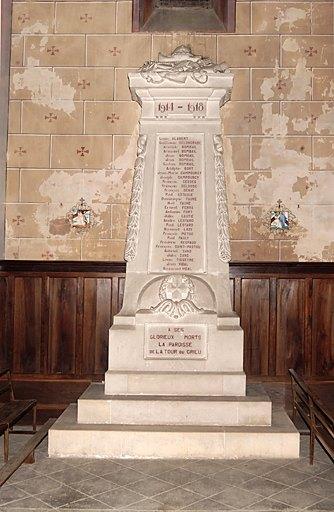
(72, 129)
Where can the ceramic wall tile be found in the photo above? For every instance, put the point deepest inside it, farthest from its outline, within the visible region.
(118, 50)
(117, 117)
(86, 83)
(85, 17)
(317, 51)
(322, 18)
(323, 84)
(40, 119)
(123, 17)
(28, 151)
(248, 51)
(85, 151)
(14, 117)
(33, 18)
(55, 50)
(281, 84)
(281, 17)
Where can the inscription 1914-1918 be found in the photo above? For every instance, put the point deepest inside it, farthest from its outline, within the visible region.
(177, 236)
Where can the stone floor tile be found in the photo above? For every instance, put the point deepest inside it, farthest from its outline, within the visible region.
(24, 472)
(316, 485)
(327, 504)
(147, 504)
(327, 475)
(128, 463)
(269, 505)
(295, 497)
(48, 466)
(303, 465)
(124, 477)
(286, 476)
(206, 486)
(319, 452)
(204, 467)
(322, 456)
(232, 476)
(93, 486)
(10, 493)
(152, 467)
(177, 498)
(236, 497)
(71, 475)
(230, 463)
(278, 463)
(85, 504)
(263, 486)
(257, 467)
(150, 486)
(207, 504)
(120, 497)
(102, 467)
(30, 503)
(78, 461)
(178, 476)
(38, 485)
(61, 496)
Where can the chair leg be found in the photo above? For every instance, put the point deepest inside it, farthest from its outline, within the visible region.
(6, 445)
(294, 414)
(312, 439)
(31, 458)
(34, 418)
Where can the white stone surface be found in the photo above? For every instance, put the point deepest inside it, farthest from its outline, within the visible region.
(67, 438)
(175, 383)
(96, 407)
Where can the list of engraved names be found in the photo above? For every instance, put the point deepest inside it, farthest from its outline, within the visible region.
(177, 241)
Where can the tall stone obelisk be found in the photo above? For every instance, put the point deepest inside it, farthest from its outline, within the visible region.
(177, 315)
(175, 386)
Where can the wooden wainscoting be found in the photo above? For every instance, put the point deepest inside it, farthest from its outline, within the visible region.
(55, 317)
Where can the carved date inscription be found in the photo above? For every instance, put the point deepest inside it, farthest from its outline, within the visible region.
(170, 108)
(177, 235)
(175, 341)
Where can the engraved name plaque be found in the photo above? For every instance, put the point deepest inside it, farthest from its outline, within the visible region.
(177, 234)
(175, 341)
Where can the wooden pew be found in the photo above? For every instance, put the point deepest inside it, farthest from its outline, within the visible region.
(15, 462)
(11, 411)
(314, 413)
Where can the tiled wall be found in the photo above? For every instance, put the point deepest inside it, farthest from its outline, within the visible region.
(73, 126)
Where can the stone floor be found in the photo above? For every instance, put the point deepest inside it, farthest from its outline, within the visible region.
(141, 485)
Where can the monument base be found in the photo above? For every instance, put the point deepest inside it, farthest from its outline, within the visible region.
(96, 407)
(68, 438)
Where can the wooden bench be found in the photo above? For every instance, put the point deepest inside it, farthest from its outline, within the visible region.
(15, 462)
(11, 411)
(319, 420)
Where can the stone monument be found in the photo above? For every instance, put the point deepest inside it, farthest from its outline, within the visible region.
(175, 386)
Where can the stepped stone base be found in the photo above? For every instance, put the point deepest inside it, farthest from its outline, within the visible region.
(175, 383)
(67, 438)
(96, 407)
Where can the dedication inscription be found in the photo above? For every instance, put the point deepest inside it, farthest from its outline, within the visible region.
(178, 219)
(181, 341)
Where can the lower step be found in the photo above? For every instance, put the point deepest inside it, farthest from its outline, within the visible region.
(67, 438)
(96, 407)
(175, 383)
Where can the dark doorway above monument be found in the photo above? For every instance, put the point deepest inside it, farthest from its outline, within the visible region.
(184, 15)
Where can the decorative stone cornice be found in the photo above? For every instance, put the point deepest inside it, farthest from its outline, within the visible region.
(180, 65)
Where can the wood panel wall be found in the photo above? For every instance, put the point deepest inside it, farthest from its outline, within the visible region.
(55, 317)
